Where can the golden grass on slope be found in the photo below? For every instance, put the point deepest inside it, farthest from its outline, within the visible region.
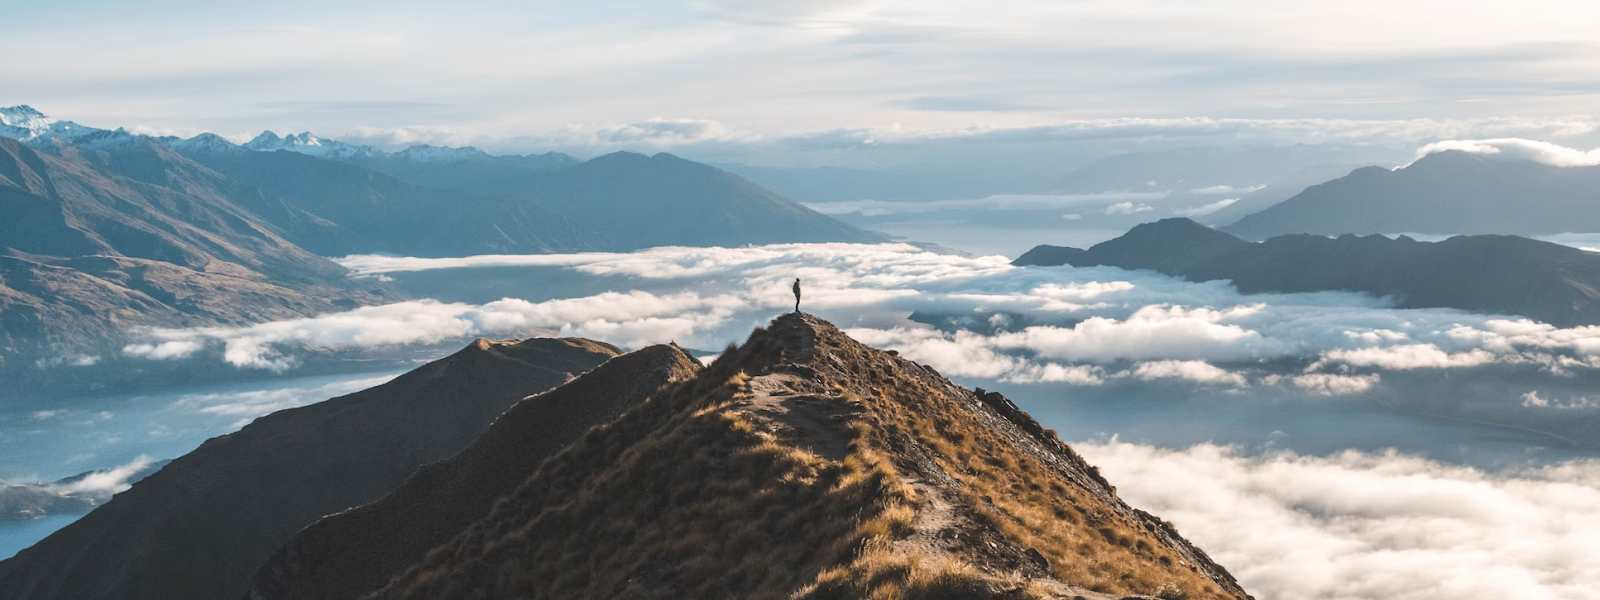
(695, 495)
(1030, 503)
(878, 574)
(684, 498)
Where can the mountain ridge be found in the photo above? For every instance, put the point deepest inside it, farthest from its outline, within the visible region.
(1446, 193)
(200, 526)
(1497, 274)
(800, 464)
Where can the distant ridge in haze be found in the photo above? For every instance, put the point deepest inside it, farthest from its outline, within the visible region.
(1499, 274)
(1445, 193)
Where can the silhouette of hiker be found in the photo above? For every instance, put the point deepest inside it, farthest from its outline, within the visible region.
(797, 294)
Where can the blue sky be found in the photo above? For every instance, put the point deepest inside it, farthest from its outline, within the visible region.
(671, 73)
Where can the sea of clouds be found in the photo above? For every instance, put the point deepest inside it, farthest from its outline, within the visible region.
(1084, 326)
(1341, 526)
(1361, 525)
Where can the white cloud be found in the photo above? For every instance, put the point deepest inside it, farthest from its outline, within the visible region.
(1205, 209)
(1191, 370)
(1226, 189)
(1360, 526)
(1152, 332)
(40, 415)
(1127, 208)
(1406, 357)
(1519, 149)
(164, 351)
(1330, 384)
(1077, 320)
(107, 482)
(1072, 217)
(1533, 400)
(874, 208)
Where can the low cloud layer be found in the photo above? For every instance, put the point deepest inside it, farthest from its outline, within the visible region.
(1519, 149)
(1081, 326)
(875, 208)
(105, 483)
(1360, 526)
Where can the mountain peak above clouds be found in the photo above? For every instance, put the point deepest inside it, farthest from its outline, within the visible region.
(306, 142)
(801, 464)
(26, 123)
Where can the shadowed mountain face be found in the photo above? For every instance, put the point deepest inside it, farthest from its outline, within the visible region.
(1548, 282)
(1445, 193)
(202, 525)
(351, 553)
(802, 464)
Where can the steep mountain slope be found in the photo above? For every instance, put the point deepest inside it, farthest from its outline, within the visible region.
(201, 526)
(345, 555)
(804, 464)
(1445, 193)
(1486, 273)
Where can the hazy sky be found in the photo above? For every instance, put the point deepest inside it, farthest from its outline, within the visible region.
(674, 72)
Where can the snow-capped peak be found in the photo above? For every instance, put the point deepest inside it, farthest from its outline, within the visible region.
(25, 123)
(308, 143)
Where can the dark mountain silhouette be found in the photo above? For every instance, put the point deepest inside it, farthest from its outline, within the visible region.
(357, 551)
(801, 464)
(1444, 193)
(201, 526)
(1548, 282)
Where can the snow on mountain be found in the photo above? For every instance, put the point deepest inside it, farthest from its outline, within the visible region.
(24, 123)
(308, 143)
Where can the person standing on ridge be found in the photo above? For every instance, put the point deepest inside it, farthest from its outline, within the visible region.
(797, 294)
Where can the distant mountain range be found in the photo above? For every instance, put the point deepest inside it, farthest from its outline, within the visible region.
(801, 464)
(336, 198)
(1494, 274)
(102, 231)
(1443, 193)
